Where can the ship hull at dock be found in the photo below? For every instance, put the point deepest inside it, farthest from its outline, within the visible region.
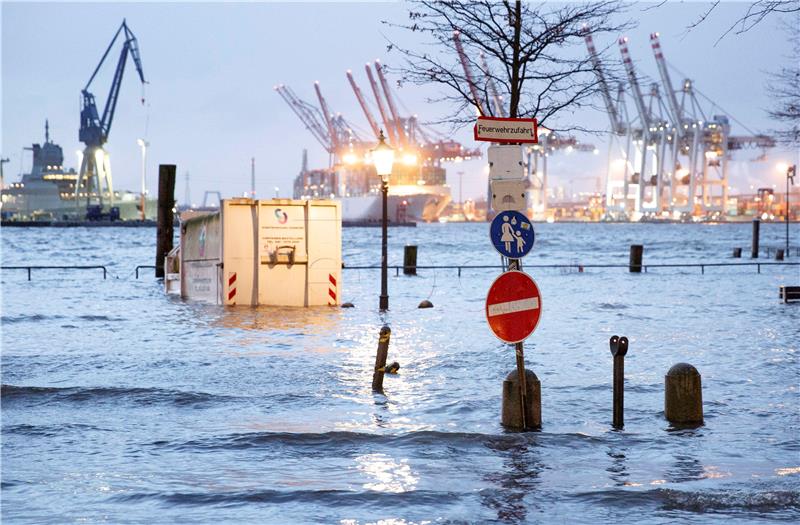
(423, 206)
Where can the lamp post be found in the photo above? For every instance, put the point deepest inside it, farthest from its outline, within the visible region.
(383, 157)
(144, 145)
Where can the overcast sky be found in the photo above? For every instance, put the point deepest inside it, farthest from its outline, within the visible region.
(211, 68)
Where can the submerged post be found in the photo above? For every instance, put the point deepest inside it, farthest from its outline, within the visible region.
(380, 359)
(635, 265)
(683, 395)
(410, 260)
(166, 201)
(512, 415)
(754, 249)
(619, 347)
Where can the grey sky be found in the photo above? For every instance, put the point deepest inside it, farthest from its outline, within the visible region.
(211, 68)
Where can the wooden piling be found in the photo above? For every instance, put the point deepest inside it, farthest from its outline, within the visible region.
(511, 413)
(737, 253)
(635, 264)
(619, 347)
(165, 220)
(779, 254)
(683, 395)
(754, 249)
(410, 260)
(380, 359)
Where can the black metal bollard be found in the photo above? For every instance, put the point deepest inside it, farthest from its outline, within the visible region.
(380, 359)
(737, 253)
(683, 395)
(511, 412)
(635, 265)
(619, 347)
(754, 249)
(410, 260)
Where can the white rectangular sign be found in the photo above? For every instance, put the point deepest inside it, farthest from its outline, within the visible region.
(506, 130)
(505, 162)
(509, 195)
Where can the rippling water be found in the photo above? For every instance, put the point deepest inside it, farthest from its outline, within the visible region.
(120, 405)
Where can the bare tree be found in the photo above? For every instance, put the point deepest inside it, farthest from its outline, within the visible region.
(784, 89)
(755, 13)
(531, 57)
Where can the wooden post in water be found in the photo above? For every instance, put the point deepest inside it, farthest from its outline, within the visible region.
(635, 264)
(754, 249)
(410, 260)
(779, 254)
(380, 359)
(166, 202)
(683, 395)
(737, 253)
(619, 347)
(511, 413)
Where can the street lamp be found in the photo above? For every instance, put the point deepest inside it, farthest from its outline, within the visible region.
(383, 157)
(144, 145)
(791, 171)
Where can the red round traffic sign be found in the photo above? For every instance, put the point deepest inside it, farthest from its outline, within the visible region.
(513, 306)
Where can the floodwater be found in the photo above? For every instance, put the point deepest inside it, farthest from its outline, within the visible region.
(121, 405)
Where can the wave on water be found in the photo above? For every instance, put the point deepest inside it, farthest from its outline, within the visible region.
(47, 430)
(23, 318)
(140, 396)
(332, 498)
(756, 501)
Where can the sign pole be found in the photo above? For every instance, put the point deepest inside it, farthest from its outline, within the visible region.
(515, 264)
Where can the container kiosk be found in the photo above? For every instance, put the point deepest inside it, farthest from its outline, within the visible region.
(277, 252)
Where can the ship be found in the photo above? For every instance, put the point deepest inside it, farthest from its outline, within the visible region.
(48, 193)
(417, 193)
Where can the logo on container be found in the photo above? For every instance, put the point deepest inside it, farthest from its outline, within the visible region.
(281, 216)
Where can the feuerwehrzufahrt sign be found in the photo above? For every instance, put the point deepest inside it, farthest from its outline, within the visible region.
(513, 306)
(506, 130)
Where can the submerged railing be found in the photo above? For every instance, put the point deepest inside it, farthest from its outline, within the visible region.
(49, 267)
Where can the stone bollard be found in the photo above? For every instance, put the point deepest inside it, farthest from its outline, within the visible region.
(635, 265)
(380, 359)
(410, 260)
(683, 395)
(425, 304)
(779, 254)
(737, 253)
(754, 248)
(511, 415)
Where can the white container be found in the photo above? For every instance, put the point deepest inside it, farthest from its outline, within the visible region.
(276, 252)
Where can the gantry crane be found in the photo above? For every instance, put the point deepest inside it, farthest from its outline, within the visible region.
(94, 130)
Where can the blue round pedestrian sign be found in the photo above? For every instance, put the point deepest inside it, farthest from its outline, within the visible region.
(512, 234)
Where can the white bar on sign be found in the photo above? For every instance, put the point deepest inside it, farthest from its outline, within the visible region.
(510, 307)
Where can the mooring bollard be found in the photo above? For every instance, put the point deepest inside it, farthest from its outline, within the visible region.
(511, 413)
(779, 254)
(635, 265)
(754, 249)
(683, 395)
(380, 359)
(164, 226)
(410, 260)
(619, 347)
(425, 304)
(737, 253)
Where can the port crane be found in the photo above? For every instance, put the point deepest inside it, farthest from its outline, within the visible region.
(94, 130)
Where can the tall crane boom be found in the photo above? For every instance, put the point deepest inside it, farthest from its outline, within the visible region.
(381, 109)
(616, 124)
(363, 103)
(398, 124)
(473, 89)
(326, 114)
(672, 100)
(638, 99)
(305, 113)
(94, 130)
(497, 100)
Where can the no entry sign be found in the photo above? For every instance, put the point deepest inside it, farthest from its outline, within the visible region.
(513, 306)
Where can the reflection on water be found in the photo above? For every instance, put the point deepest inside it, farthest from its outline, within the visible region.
(518, 478)
(386, 474)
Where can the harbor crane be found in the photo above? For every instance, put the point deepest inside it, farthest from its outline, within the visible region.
(94, 130)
